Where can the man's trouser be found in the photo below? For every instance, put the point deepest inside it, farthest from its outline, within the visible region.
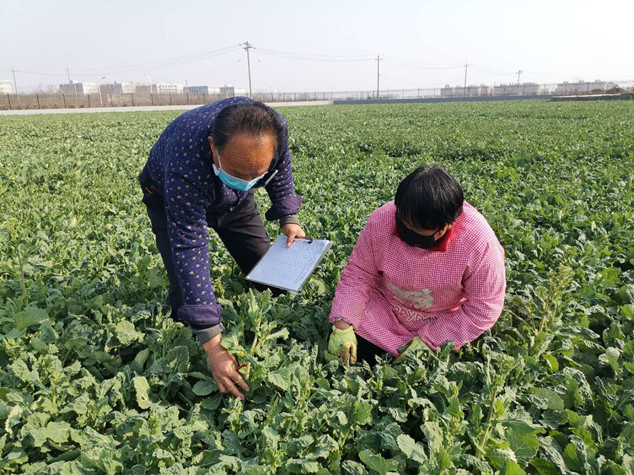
(241, 230)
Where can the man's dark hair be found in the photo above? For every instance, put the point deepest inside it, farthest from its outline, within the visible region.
(252, 118)
(429, 198)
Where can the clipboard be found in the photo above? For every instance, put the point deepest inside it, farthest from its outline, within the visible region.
(289, 268)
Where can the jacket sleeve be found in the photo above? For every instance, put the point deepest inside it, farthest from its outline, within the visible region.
(185, 206)
(281, 188)
(358, 280)
(484, 287)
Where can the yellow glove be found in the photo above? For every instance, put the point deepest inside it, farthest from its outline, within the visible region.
(343, 344)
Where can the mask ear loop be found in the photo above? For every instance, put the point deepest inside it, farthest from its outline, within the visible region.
(270, 178)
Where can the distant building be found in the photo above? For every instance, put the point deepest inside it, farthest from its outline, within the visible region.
(524, 89)
(145, 89)
(232, 91)
(127, 87)
(108, 89)
(79, 88)
(200, 90)
(469, 91)
(584, 87)
(164, 88)
(118, 88)
(6, 87)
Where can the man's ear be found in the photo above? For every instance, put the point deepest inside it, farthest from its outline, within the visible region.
(214, 150)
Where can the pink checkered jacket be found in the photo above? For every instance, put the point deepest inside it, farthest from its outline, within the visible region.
(391, 292)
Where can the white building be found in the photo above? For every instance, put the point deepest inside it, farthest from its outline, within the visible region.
(469, 91)
(231, 91)
(164, 88)
(79, 88)
(200, 90)
(584, 87)
(6, 87)
(128, 87)
(118, 88)
(524, 89)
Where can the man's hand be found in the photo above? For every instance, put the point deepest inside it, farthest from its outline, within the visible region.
(343, 343)
(223, 368)
(292, 231)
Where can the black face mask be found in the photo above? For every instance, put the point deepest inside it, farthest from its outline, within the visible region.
(412, 238)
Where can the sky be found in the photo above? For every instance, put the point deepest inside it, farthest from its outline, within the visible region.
(315, 46)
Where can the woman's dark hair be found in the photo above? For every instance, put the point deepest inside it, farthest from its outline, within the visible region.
(253, 118)
(429, 198)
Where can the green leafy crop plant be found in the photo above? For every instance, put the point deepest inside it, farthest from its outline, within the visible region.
(96, 378)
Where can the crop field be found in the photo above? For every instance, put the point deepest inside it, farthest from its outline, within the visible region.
(96, 378)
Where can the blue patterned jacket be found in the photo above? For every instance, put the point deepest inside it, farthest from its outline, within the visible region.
(180, 164)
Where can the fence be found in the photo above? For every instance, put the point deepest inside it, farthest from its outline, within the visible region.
(73, 101)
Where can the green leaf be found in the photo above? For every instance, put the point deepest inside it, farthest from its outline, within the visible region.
(522, 439)
(554, 418)
(611, 356)
(353, 468)
(140, 359)
(551, 361)
(127, 333)
(544, 467)
(302, 466)
(29, 317)
(54, 431)
(142, 388)
(211, 403)
(554, 401)
(377, 463)
(512, 468)
(411, 449)
(363, 413)
(21, 370)
(628, 310)
(204, 388)
(280, 379)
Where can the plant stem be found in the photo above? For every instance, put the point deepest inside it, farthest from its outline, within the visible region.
(485, 437)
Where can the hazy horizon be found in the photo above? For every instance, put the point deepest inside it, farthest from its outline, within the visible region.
(328, 46)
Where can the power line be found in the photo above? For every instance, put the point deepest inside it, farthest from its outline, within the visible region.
(141, 67)
(195, 56)
(419, 65)
(314, 57)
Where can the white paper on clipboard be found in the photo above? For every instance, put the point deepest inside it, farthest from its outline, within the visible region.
(288, 268)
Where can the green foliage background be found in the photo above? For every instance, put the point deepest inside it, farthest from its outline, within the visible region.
(96, 378)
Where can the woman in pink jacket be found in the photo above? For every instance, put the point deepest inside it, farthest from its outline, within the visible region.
(426, 265)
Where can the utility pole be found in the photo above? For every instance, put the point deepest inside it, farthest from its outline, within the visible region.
(466, 66)
(519, 73)
(15, 84)
(247, 47)
(378, 58)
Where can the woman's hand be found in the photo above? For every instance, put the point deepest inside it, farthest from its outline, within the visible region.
(343, 343)
(223, 366)
(292, 231)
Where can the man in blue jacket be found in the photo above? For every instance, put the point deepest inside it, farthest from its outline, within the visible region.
(201, 173)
